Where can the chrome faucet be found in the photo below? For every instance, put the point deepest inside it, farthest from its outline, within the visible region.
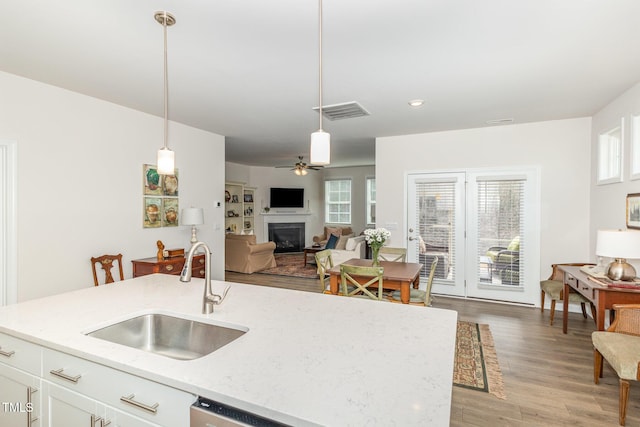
(209, 298)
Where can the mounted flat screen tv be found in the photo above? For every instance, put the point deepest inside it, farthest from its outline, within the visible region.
(287, 197)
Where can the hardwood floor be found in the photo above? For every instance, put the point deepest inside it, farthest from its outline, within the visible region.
(548, 376)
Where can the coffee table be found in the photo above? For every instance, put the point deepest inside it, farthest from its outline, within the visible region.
(311, 250)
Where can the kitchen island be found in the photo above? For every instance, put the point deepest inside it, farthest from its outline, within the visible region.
(307, 359)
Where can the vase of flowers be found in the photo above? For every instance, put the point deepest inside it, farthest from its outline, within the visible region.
(376, 238)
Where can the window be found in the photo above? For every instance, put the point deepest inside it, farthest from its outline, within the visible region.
(635, 147)
(337, 193)
(610, 156)
(371, 201)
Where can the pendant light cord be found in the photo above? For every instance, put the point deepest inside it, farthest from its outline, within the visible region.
(166, 84)
(320, 59)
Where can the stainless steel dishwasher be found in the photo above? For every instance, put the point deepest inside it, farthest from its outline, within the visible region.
(208, 413)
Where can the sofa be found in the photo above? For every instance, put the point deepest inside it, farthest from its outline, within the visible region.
(244, 255)
(321, 239)
(354, 248)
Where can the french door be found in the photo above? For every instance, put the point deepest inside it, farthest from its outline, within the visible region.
(482, 225)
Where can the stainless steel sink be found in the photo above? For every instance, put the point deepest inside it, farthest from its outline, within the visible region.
(169, 336)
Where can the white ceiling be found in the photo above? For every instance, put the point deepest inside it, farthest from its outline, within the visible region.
(248, 69)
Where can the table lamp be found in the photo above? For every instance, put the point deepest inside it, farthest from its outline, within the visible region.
(619, 245)
(192, 217)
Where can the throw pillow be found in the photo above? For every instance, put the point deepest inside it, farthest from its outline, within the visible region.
(353, 242)
(331, 243)
(330, 230)
(342, 241)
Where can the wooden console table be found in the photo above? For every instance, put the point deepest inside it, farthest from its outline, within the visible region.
(144, 266)
(602, 297)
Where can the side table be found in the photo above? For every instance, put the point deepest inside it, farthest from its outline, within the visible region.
(311, 250)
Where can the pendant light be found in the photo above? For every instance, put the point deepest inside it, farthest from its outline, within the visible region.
(166, 157)
(320, 140)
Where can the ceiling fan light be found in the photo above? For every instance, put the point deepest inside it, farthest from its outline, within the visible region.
(320, 148)
(166, 161)
(303, 172)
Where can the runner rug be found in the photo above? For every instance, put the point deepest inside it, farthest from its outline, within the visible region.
(476, 363)
(292, 264)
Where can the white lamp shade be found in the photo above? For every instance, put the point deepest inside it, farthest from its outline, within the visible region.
(320, 148)
(192, 216)
(166, 161)
(618, 244)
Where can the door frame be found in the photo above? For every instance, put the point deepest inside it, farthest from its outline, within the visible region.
(8, 222)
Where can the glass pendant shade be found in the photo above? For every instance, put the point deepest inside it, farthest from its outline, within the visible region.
(320, 148)
(166, 161)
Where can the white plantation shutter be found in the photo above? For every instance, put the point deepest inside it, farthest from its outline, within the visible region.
(500, 219)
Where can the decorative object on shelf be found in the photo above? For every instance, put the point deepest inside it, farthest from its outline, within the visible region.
(227, 196)
(193, 216)
(231, 214)
(267, 209)
(376, 238)
(173, 253)
(247, 225)
(248, 198)
(234, 199)
(633, 210)
(166, 157)
(160, 201)
(619, 245)
(320, 140)
(160, 254)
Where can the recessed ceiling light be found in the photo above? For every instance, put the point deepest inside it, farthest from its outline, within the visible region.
(499, 121)
(416, 102)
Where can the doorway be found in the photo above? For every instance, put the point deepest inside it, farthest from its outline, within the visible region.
(482, 225)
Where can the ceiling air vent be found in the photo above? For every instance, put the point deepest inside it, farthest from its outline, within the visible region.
(346, 110)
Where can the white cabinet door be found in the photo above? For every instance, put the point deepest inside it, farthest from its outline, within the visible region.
(19, 398)
(63, 408)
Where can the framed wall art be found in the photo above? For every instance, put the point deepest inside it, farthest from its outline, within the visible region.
(161, 206)
(633, 210)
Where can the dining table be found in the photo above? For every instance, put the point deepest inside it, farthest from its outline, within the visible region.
(396, 275)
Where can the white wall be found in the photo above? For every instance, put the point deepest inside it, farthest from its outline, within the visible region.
(561, 150)
(80, 183)
(608, 202)
(263, 178)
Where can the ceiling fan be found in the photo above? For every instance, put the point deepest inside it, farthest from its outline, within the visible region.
(301, 168)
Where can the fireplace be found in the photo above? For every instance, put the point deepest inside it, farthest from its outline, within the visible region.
(288, 236)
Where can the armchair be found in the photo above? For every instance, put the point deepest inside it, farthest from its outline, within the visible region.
(340, 231)
(620, 346)
(508, 257)
(244, 255)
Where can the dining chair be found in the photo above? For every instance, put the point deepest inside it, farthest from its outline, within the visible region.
(620, 346)
(418, 296)
(106, 263)
(352, 287)
(392, 254)
(324, 261)
(554, 288)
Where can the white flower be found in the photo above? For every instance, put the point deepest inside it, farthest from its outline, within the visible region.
(376, 237)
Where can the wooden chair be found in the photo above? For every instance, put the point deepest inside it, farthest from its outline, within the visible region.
(351, 287)
(554, 288)
(392, 254)
(620, 346)
(324, 261)
(417, 296)
(106, 263)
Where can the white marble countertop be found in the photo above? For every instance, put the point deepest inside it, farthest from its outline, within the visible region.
(307, 359)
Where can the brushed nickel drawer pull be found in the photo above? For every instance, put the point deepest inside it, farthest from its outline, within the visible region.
(95, 419)
(58, 373)
(168, 267)
(7, 353)
(129, 399)
(30, 418)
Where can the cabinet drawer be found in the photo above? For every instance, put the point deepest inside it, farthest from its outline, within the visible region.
(20, 354)
(197, 268)
(143, 398)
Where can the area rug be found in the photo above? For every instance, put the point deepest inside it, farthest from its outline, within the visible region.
(292, 264)
(476, 363)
